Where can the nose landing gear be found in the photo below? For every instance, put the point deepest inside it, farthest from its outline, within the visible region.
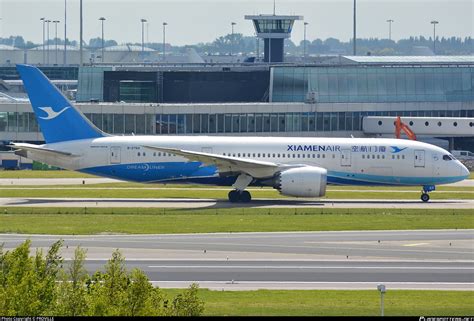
(425, 197)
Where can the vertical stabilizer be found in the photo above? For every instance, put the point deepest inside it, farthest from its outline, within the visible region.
(59, 120)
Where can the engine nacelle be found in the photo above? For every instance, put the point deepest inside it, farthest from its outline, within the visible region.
(307, 181)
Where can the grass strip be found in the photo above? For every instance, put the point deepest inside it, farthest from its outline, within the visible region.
(168, 221)
(43, 174)
(335, 302)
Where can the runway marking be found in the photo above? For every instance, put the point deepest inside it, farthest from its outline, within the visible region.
(282, 267)
(416, 244)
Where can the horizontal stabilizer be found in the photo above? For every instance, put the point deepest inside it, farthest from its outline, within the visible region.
(37, 148)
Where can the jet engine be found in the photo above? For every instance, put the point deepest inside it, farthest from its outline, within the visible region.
(307, 181)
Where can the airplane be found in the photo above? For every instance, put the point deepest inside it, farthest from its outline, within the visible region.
(295, 166)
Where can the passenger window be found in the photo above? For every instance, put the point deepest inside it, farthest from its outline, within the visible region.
(333, 156)
(294, 155)
(403, 156)
(324, 155)
(138, 154)
(378, 156)
(363, 156)
(258, 155)
(304, 155)
(144, 154)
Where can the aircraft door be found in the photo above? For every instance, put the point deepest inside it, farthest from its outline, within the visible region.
(346, 157)
(115, 157)
(419, 158)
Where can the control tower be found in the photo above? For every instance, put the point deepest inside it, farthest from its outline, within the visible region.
(273, 29)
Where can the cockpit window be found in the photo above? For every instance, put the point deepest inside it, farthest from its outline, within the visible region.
(447, 157)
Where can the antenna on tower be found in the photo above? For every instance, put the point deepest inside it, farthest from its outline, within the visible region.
(274, 7)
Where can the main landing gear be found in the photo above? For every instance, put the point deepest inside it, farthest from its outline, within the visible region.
(239, 194)
(425, 197)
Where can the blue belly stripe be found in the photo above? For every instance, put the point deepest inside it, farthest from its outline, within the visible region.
(195, 172)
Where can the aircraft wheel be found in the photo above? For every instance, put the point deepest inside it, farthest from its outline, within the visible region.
(245, 197)
(234, 196)
(425, 197)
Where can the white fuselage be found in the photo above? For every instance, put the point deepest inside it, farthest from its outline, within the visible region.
(360, 161)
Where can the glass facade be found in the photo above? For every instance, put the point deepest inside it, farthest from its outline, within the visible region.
(273, 25)
(280, 122)
(53, 73)
(137, 91)
(140, 124)
(182, 124)
(373, 84)
(91, 83)
(18, 122)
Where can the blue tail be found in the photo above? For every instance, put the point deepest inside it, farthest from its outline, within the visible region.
(58, 119)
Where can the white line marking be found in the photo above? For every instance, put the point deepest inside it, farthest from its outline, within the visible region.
(306, 267)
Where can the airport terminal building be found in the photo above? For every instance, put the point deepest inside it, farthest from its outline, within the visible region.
(342, 96)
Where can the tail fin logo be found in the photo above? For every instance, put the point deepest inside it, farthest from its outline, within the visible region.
(51, 113)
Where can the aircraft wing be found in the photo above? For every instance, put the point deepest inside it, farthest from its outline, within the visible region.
(37, 148)
(254, 168)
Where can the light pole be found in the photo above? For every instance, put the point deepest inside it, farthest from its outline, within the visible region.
(382, 290)
(164, 40)
(434, 23)
(44, 56)
(102, 19)
(47, 41)
(56, 39)
(304, 42)
(143, 36)
(65, 30)
(80, 34)
(354, 50)
(147, 33)
(232, 39)
(390, 28)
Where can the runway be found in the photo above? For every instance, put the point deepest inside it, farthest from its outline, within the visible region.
(438, 259)
(219, 203)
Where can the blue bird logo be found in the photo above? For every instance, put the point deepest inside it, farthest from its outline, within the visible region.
(396, 149)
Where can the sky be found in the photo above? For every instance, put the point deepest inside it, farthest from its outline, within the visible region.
(191, 22)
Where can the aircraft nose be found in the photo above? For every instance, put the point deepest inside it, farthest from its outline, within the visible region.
(464, 171)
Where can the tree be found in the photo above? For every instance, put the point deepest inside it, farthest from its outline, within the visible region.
(39, 285)
(188, 303)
